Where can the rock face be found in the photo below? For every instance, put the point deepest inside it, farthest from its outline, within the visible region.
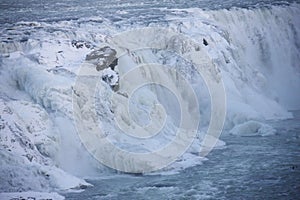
(106, 61)
(205, 42)
(111, 77)
(103, 58)
(80, 44)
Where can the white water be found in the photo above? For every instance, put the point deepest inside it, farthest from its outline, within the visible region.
(257, 51)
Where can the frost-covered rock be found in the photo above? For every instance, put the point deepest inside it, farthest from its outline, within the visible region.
(105, 61)
(111, 78)
(103, 58)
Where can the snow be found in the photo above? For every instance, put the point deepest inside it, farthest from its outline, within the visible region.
(40, 148)
(29, 147)
(253, 128)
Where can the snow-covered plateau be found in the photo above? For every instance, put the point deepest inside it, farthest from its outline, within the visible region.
(257, 51)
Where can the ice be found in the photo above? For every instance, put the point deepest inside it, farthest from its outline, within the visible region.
(29, 148)
(254, 86)
(256, 50)
(71, 151)
(253, 128)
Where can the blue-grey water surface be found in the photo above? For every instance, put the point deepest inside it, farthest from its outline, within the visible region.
(145, 11)
(248, 168)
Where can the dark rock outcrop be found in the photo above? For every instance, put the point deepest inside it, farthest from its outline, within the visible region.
(105, 60)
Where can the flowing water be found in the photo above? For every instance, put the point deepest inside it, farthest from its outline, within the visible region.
(139, 11)
(248, 168)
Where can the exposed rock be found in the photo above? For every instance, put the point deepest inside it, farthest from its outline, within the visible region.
(105, 60)
(80, 44)
(111, 78)
(205, 42)
(114, 64)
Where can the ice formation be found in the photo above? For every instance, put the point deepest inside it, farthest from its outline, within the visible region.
(253, 128)
(257, 51)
